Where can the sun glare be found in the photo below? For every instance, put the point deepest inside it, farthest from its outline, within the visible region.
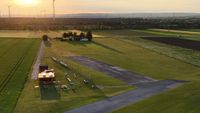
(26, 2)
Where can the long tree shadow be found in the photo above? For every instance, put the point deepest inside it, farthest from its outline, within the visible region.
(49, 92)
(79, 43)
(47, 44)
(107, 47)
(93, 42)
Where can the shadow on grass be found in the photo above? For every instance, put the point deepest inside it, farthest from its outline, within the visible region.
(79, 43)
(47, 44)
(107, 47)
(93, 42)
(49, 92)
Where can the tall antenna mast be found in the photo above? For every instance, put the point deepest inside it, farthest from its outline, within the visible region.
(9, 14)
(54, 10)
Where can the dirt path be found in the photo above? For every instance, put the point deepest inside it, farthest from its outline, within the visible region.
(144, 91)
(116, 72)
(37, 63)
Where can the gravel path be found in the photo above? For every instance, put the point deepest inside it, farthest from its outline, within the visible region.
(116, 72)
(143, 92)
(37, 63)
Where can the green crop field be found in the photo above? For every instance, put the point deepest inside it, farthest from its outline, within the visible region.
(16, 57)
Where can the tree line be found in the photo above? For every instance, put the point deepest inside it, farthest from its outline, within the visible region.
(72, 36)
(98, 24)
(77, 37)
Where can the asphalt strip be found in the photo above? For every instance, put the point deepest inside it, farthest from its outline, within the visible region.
(146, 87)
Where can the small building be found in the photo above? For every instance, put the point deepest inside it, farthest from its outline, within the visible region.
(46, 76)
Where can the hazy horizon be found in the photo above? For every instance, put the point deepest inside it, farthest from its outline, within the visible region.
(41, 7)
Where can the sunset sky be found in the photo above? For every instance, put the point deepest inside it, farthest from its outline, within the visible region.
(29, 7)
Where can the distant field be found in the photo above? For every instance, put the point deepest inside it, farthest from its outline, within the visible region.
(193, 30)
(19, 34)
(30, 34)
(187, 32)
(184, 43)
(123, 33)
(190, 35)
(16, 57)
(186, 55)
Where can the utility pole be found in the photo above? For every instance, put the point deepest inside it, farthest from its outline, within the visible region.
(54, 10)
(9, 14)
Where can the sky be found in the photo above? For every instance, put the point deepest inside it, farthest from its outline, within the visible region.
(42, 7)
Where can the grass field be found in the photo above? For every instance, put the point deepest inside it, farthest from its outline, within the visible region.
(156, 60)
(125, 49)
(16, 57)
(129, 56)
(60, 100)
(184, 99)
(185, 55)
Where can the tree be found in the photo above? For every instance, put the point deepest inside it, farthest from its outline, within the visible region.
(82, 35)
(75, 34)
(65, 35)
(89, 36)
(70, 34)
(45, 37)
